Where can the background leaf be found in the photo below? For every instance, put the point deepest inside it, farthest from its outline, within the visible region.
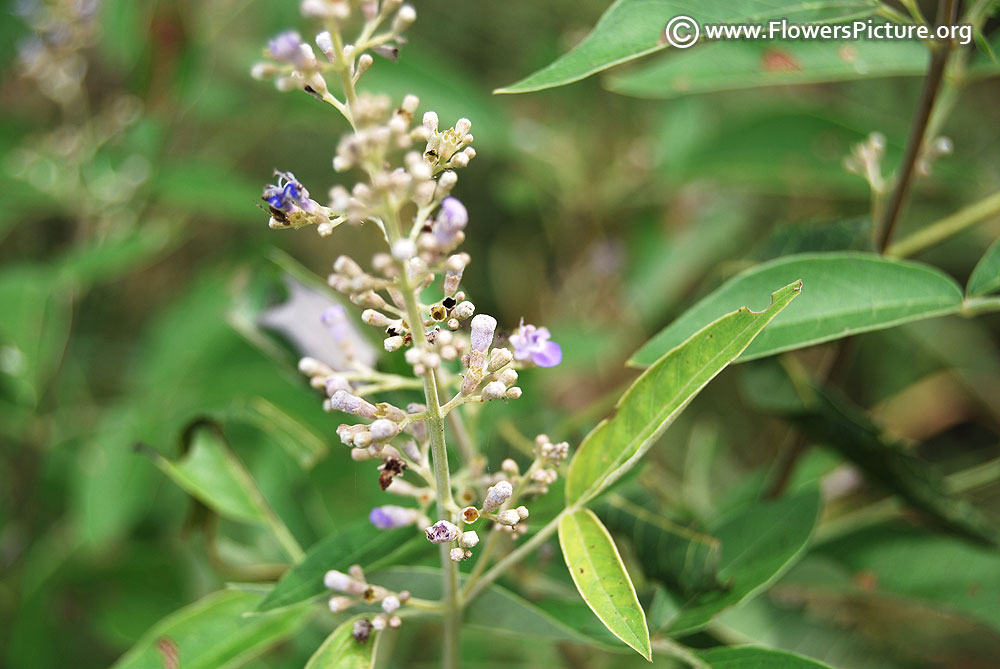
(844, 293)
(600, 577)
(985, 277)
(661, 393)
(213, 633)
(210, 472)
(633, 28)
(678, 556)
(758, 543)
(751, 657)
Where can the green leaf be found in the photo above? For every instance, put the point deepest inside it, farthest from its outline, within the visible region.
(758, 544)
(736, 64)
(34, 329)
(633, 28)
(832, 420)
(661, 393)
(341, 651)
(212, 633)
(498, 609)
(360, 543)
(597, 570)
(751, 657)
(669, 553)
(941, 572)
(210, 472)
(301, 442)
(985, 277)
(845, 293)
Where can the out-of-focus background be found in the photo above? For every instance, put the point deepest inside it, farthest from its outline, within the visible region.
(134, 263)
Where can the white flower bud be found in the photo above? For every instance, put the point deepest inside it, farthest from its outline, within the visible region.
(499, 357)
(510, 517)
(497, 495)
(508, 378)
(313, 367)
(376, 318)
(457, 554)
(404, 19)
(463, 310)
(340, 603)
(336, 580)
(481, 336)
(390, 604)
(393, 343)
(348, 403)
(364, 62)
(468, 539)
(325, 43)
(459, 160)
(494, 390)
(403, 249)
(431, 120)
(509, 466)
(513, 393)
(383, 429)
(410, 104)
(379, 623)
(522, 512)
(463, 126)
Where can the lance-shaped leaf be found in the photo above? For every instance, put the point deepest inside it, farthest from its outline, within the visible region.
(849, 293)
(358, 544)
(633, 28)
(985, 277)
(661, 393)
(340, 650)
(212, 633)
(728, 65)
(597, 570)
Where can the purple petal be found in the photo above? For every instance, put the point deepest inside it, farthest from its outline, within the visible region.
(548, 354)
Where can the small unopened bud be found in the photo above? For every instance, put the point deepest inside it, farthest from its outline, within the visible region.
(325, 43)
(340, 603)
(393, 343)
(348, 403)
(390, 604)
(522, 512)
(494, 390)
(376, 318)
(513, 393)
(404, 19)
(383, 429)
(509, 466)
(468, 539)
(508, 378)
(497, 495)
(499, 357)
(430, 120)
(510, 517)
(457, 554)
(364, 62)
(463, 310)
(481, 337)
(403, 249)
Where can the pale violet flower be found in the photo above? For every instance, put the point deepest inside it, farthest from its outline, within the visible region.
(390, 517)
(535, 343)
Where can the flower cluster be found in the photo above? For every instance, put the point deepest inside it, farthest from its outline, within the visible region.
(412, 292)
(355, 590)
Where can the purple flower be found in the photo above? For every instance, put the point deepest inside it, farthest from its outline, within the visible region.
(442, 532)
(335, 318)
(288, 194)
(287, 47)
(390, 517)
(451, 220)
(532, 342)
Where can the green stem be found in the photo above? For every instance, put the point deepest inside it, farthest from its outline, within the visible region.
(943, 229)
(680, 651)
(446, 508)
